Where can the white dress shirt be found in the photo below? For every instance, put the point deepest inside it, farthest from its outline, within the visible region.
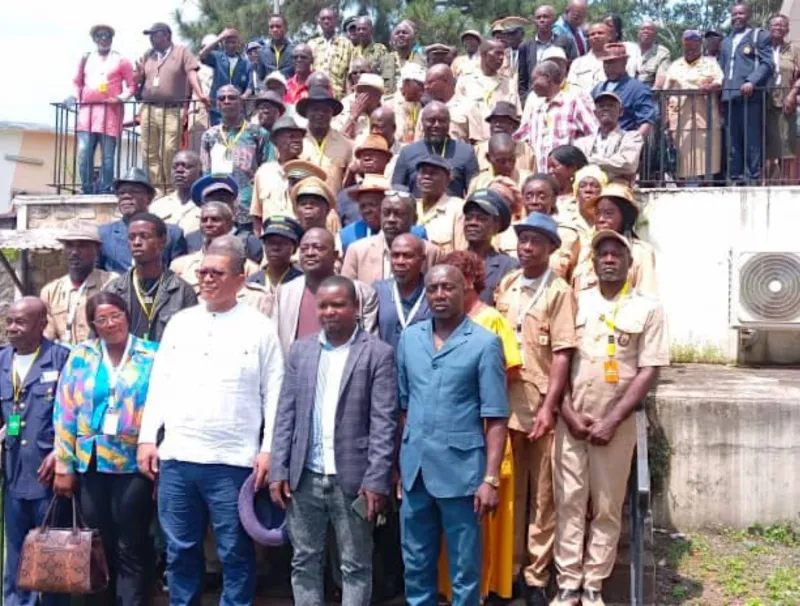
(215, 379)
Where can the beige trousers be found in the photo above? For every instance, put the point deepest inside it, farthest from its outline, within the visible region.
(581, 471)
(534, 507)
(161, 138)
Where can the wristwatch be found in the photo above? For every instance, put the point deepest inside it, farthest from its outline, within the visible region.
(492, 481)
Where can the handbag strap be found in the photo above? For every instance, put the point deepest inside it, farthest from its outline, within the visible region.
(48, 515)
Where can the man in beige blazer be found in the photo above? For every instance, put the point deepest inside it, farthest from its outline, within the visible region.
(369, 259)
(295, 309)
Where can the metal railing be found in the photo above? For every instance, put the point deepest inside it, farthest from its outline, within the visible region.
(97, 142)
(639, 506)
(701, 140)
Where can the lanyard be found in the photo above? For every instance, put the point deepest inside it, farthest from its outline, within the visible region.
(114, 371)
(320, 147)
(16, 380)
(610, 321)
(413, 114)
(522, 313)
(277, 56)
(398, 305)
(444, 147)
(72, 309)
(229, 145)
(150, 311)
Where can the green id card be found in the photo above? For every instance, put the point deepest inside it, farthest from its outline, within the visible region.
(13, 425)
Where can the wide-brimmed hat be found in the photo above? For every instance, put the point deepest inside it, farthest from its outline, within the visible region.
(471, 32)
(101, 26)
(285, 123)
(262, 520)
(135, 175)
(615, 51)
(491, 203)
(276, 76)
(371, 183)
(313, 186)
(413, 71)
(302, 169)
(513, 24)
(320, 94)
(619, 192)
(609, 234)
(373, 81)
(438, 47)
(504, 109)
(271, 97)
(373, 143)
(81, 232)
(541, 223)
(210, 183)
(284, 226)
(554, 52)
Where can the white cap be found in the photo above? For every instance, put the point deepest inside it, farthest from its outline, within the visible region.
(554, 52)
(413, 71)
(277, 76)
(371, 81)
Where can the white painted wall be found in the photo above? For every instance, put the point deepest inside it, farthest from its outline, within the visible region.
(10, 144)
(693, 231)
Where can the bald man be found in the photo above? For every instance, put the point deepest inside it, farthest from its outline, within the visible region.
(570, 24)
(438, 142)
(454, 401)
(483, 88)
(376, 54)
(501, 154)
(29, 370)
(440, 85)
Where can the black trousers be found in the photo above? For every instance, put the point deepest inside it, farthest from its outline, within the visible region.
(121, 507)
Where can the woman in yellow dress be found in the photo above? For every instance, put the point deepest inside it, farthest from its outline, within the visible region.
(498, 528)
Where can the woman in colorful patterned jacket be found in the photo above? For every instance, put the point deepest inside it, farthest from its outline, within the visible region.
(98, 411)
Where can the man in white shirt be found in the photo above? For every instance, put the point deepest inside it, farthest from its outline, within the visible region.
(334, 444)
(215, 381)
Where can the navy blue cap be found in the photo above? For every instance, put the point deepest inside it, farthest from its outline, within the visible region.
(434, 160)
(492, 204)
(284, 226)
(202, 185)
(542, 223)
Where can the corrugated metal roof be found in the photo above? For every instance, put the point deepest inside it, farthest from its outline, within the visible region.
(43, 238)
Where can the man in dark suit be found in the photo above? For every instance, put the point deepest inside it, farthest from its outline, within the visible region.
(745, 57)
(530, 53)
(333, 446)
(134, 195)
(401, 298)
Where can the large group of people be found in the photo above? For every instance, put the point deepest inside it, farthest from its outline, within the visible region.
(403, 289)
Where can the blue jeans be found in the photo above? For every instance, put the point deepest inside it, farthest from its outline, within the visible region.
(317, 501)
(22, 516)
(423, 519)
(189, 496)
(87, 144)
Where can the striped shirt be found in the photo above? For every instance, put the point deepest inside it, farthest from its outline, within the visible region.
(332, 360)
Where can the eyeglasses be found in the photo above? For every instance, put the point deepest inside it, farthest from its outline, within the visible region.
(106, 320)
(228, 97)
(216, 274)
(103, 36)
(396, 193)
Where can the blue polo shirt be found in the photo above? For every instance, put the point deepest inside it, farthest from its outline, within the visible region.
(638, 106)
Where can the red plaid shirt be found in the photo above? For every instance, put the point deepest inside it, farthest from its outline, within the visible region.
(560, 121)
(295, 91)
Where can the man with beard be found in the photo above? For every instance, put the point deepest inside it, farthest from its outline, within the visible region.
(66, 297)
(178, 208)
(134, 195)
(437, 141)
(152, 292)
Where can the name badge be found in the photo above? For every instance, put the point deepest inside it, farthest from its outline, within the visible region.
(611, 371)
(544, 340)
(221, 160)
(13, 425)
(111, 424)
(49, 376)
(103, 87)
(155, 81)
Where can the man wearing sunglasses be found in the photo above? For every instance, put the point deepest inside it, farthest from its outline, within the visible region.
(104, 80)
(224, 56)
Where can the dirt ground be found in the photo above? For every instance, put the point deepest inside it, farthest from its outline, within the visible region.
(756, 567)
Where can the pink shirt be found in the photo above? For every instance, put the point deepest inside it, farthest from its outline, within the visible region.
(97, 81)
(307, 321)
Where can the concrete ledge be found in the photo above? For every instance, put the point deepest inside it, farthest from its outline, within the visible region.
(734, 438)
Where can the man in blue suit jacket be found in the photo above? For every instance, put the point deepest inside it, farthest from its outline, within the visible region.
(452, 382)
(230, 66)
(746, 59)
(134, 195)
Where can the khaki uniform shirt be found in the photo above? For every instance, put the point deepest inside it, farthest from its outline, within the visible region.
(256, 296)
(617, 153)
(464, 64)
(172, 210)
(59, 294)
(407, 116)
(333, 156)
(640, 338)
(526, 163)
(442, 222)
(481, 92)
(166, 77)
(642, 274)
(185, 267)
(585, 72)
(270, 192)
(545, 327)
(486, 176)
(652, 65)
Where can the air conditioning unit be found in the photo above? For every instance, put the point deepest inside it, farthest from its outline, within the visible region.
(765, 289)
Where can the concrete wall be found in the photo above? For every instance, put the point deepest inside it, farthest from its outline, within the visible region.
(693, 231)
(734, 441)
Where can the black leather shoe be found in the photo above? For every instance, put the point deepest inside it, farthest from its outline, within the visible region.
(535, 596)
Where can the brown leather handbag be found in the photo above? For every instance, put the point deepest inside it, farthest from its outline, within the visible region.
(63, 560)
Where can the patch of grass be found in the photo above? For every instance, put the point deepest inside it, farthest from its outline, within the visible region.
(698, 353)
(678, 550)
(679, 593)
(777, 534)
(783, 585)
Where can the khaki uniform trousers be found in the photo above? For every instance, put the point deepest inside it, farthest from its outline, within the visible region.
(161, 130)
(583, 470)
(534, 507)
